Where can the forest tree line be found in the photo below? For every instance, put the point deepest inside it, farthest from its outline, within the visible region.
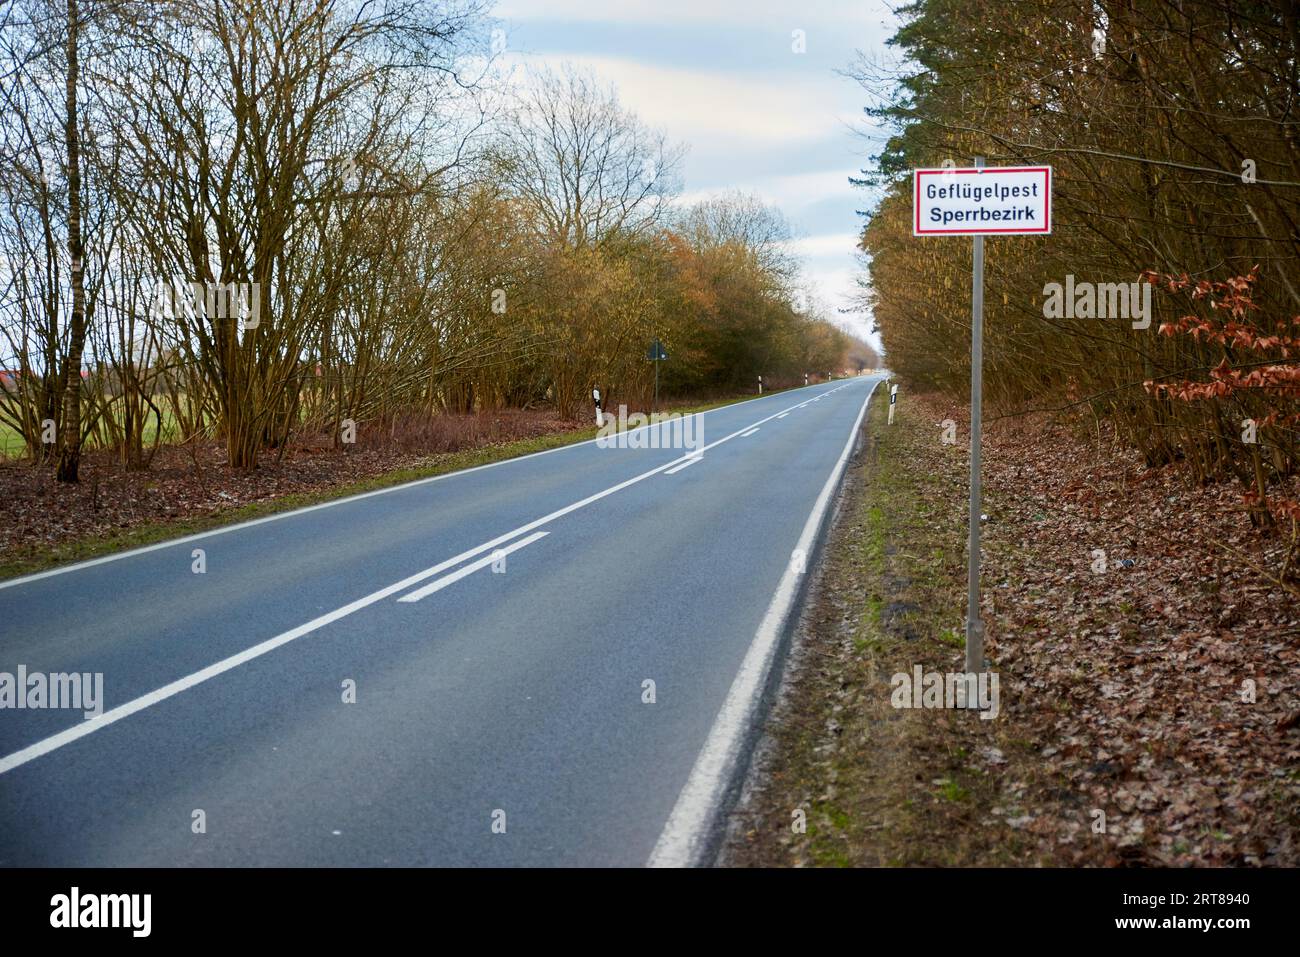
(258, 220)
(1171, 128)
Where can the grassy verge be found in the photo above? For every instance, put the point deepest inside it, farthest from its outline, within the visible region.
(844, 778)
(148, 533)
(41, 557)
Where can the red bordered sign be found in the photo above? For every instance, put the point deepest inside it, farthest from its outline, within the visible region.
(996, 201)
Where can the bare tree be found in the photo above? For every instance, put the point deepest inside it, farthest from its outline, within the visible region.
(588, 169)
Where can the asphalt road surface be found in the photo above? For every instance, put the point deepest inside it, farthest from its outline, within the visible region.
(498, 628)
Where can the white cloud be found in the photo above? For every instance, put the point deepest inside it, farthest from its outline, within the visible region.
(703, 105)
(765, 12)
(833, 244)
(804, 189)
(790, 194)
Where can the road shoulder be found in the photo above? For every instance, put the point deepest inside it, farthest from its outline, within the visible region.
(1147, 704)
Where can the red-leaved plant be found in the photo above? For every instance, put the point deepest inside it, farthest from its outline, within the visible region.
(1257, 365)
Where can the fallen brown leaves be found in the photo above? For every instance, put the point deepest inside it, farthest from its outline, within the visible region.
(1130, 633)
(1155, 665)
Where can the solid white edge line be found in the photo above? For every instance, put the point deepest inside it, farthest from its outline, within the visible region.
(471, 568)
(684, 837)
(172, 542)
(113, 715)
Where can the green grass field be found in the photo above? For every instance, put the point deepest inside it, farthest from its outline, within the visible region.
(13, 447)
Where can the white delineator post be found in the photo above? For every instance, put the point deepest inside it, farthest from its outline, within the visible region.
(600, 416)
(893, 401)
(760, 385)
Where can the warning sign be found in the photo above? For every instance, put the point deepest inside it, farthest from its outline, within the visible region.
(982, 202)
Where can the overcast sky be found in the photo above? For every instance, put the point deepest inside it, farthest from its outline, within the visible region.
(721, 76)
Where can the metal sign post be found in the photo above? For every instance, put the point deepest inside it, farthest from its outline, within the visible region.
(977, 202)
(656, 354)
(974, 621)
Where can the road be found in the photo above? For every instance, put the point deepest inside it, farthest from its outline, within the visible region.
(501, 718)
